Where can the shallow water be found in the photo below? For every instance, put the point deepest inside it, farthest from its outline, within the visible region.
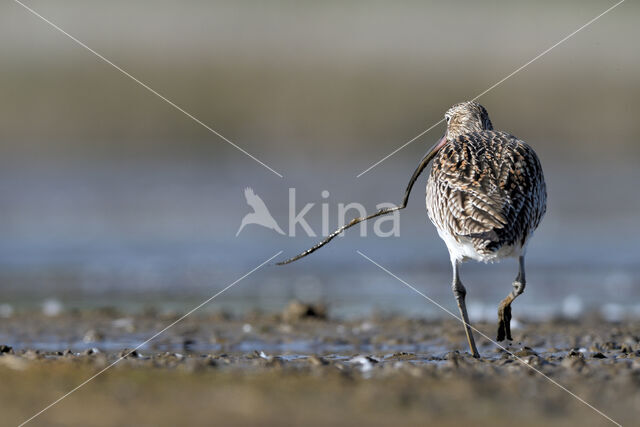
(168, 245)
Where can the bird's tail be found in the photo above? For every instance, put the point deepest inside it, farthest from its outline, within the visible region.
(277, 228)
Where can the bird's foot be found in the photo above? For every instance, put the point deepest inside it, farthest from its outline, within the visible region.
(504, 322)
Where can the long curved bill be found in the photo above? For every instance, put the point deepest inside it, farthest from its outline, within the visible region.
(423, 164)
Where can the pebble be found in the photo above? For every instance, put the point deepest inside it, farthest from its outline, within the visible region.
(188, 343)
(317, 360)
(525, 351)
(126, 353)
(297, 310)
(365, 362)
(626, 349)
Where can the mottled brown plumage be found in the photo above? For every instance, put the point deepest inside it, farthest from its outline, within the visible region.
(487, 188)
(486, 195)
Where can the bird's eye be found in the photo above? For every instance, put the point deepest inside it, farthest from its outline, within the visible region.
(447, 118)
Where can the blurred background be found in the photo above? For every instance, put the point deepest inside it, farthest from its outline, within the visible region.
(109, 197)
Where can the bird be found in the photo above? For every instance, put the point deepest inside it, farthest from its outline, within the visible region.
(260, 215)
(486, 195)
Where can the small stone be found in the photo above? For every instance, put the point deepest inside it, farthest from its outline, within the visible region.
(575, 353)
(208, 360)
(317, 361)
(364, 362)
(595, 348)
(525, 351)
(611, 345)
(126, 353)
(188, 344)
(535, 361)
(297, 310)
(626, 349)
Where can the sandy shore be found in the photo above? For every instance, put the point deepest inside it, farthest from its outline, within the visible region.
(298, 367)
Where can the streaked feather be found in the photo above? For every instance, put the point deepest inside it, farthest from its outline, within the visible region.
(487, 186)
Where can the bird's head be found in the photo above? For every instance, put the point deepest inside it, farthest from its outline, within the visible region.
(466, 117)
(462, 118)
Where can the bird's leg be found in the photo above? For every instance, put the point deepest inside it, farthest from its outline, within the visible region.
(504, 309)
(460, 292)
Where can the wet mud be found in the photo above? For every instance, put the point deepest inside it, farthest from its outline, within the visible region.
(303, 367)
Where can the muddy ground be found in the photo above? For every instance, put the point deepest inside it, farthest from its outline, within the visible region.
(299, 367)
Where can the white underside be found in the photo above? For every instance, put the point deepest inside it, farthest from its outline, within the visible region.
(463, 250)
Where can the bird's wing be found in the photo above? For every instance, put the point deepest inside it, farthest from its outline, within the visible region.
(249, 194)
(484, 182)
(254, 200)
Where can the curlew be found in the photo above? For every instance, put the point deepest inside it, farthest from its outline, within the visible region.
(486, 195)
